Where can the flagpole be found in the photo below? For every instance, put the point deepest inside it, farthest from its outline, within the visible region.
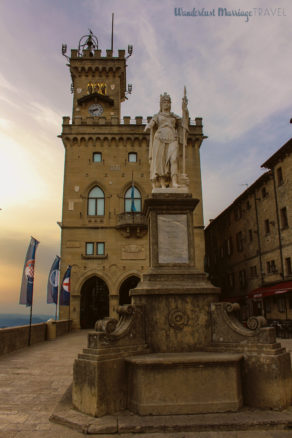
(59, 281)
(112, 39)
(69, 307)
(132, 194)
(30, 321)
(29, 330)
(69, 316)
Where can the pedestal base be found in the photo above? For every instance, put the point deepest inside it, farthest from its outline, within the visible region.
(177, 309)
(188, 383)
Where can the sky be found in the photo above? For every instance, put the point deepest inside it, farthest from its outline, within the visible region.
(237, 71)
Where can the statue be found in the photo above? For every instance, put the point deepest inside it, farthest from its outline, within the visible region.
(166, 131)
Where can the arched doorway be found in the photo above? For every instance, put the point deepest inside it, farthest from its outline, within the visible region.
(94, 302)
(129, 283)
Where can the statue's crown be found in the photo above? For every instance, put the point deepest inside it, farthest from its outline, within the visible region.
(164, 97)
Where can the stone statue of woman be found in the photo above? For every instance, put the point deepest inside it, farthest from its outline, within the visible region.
(164, 147)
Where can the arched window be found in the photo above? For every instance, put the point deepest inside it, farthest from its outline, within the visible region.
(95, 202)
(133, 200)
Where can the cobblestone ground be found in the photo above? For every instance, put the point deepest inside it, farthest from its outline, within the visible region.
(32, 381)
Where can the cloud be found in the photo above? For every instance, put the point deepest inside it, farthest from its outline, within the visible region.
(18, 174)
(5, 84)
(5, 124)
(45, 116)
(228, 167)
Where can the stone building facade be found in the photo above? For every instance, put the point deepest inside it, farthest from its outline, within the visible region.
(106, 180)
(249, 245)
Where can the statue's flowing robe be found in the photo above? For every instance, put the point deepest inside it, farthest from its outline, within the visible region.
(164, 149)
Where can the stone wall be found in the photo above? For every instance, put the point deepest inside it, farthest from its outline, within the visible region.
(14, 338)
(63, 327)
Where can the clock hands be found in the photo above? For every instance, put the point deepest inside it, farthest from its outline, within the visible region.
(95, 109)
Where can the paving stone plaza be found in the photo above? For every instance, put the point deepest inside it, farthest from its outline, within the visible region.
(33, 380)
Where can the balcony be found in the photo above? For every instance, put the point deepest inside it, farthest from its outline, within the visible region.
(132, 224)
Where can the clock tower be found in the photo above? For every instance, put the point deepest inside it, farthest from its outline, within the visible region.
(98, 82)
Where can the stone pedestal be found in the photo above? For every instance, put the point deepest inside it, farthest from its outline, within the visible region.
(176, 306)
(176, 297)
(176, 349)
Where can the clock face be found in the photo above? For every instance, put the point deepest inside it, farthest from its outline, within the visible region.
(95, 110)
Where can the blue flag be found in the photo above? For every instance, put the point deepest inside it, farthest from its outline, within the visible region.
(53, 282)
(133, 208)
(65, 288)
(26, 290)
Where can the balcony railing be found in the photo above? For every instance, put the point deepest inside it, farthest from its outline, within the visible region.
(132, 223)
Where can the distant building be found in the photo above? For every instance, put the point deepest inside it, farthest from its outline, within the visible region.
(106, 180)
(249, 245)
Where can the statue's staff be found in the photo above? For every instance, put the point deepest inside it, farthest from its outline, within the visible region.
(185, 126)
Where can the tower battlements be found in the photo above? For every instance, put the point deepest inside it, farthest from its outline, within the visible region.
(92, 55)
(195, 126)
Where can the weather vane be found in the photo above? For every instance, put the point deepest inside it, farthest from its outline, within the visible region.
(87, 42)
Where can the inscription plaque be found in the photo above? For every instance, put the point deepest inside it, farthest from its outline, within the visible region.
(172, 238)
(133, 252)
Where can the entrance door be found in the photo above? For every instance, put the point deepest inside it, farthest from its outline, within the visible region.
(129, 283)
(94, 302)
